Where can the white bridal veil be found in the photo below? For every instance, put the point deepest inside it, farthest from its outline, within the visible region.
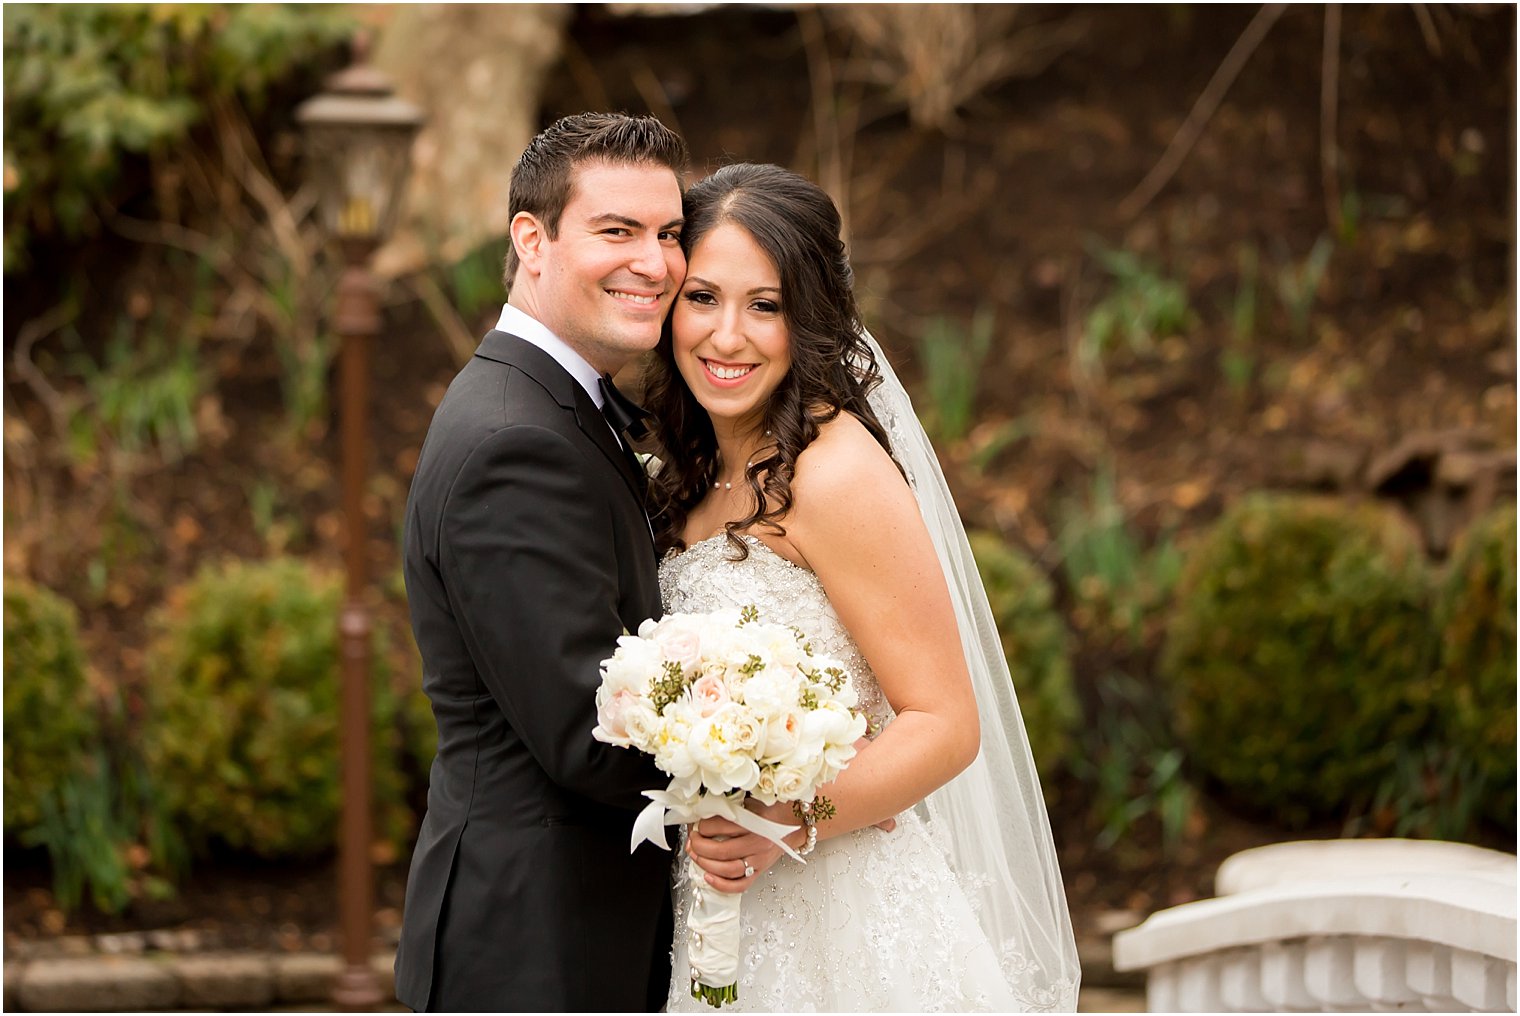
(991, 818)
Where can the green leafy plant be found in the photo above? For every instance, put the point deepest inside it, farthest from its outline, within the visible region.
(1298, 285)
(243, 728)
(1142, 306)
(1118, 585)
(1299, 653)
(1432, 791)
(475, 279)
(141, 395)
(1475, 685)
(1237, 361)
(1037, 647)
(304, 346)
(952, 360)
(107, 836)
(1131, 761)
(93, 90)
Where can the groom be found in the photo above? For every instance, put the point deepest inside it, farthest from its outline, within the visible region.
(527, 553)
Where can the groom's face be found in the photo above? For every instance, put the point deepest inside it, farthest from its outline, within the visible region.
(605, 282)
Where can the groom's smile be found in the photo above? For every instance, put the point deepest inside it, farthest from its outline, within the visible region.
(604, 281)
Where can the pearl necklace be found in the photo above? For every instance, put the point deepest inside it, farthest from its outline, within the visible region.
(730, 486)
(747, 466)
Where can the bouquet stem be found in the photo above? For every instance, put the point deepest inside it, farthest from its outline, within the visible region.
(712, 941)
(714, 997)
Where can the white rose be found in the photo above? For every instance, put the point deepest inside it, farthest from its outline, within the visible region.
(713, 744)
(632, 666)
(642, 723)
(748, 731)
(769, 694)
(764, 789)
(813, 731)
(781, 733)
(782, 648)
(790, 783)
(670, 742)
(832, 721)
(741, 773)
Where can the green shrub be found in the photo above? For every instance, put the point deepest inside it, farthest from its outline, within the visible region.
(52, 720)
(72, 785)
(1475, 688)
(243, 691)
(92, 90)
(1299, 654)
(1036, 644)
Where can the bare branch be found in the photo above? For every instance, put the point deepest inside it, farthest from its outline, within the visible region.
(1427, 29)
(653, 94)
(28, 336)
(461, 341)
(1329, 95)
(1187, 135)
(835, 139)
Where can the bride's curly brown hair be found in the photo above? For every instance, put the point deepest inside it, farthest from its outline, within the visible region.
(795, 223)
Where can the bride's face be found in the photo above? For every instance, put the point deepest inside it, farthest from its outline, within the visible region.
(730, 337)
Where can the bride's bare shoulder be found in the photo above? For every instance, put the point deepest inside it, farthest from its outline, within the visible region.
(845, 466)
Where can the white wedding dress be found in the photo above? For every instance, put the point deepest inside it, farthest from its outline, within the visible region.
(874, 921)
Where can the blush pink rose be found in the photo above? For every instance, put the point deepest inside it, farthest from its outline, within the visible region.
(612, 716)
(708, 695)
(682, 647)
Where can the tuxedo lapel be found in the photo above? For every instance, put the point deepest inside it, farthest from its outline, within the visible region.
(539, 365)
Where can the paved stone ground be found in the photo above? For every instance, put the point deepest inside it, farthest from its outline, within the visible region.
(96, 979)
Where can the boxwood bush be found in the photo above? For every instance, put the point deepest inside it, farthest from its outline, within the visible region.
(1299, 655)
(1036, 643)
(52, 721)
(1475, 689)
(243, 692)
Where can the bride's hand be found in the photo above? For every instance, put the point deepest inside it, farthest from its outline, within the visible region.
(722, 848)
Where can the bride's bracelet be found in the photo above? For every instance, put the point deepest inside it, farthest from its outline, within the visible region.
(805, 813)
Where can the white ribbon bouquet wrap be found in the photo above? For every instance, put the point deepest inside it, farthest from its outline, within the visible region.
(730, 707)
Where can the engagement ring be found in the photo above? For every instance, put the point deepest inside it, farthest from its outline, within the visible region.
(749, 872)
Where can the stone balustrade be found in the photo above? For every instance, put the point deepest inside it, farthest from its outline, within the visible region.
(1338, 926)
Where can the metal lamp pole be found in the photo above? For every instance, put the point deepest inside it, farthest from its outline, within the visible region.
(358, 141)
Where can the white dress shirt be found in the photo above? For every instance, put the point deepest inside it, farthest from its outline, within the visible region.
(534, 331)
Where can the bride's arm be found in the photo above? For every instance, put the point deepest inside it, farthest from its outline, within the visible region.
(857, 526)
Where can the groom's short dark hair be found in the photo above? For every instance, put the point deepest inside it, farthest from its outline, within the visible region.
(544, 172)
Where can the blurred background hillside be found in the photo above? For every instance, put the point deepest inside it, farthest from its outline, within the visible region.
(1209, 310)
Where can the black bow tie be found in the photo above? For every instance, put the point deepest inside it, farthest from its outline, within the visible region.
(625, 415)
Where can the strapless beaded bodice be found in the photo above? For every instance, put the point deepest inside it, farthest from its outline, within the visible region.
(706, 576)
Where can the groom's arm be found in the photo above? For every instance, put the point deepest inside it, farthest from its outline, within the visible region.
(527, 539)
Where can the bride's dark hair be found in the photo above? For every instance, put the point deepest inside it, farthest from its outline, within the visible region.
(795, 223)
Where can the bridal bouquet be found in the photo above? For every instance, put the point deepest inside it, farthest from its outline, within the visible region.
(729, 707)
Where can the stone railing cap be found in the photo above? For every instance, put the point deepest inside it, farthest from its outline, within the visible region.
(1459, 911)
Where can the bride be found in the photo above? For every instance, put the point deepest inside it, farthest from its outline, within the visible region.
(797, 479)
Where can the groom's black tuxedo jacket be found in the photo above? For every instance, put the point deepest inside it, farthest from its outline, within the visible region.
(527, 553)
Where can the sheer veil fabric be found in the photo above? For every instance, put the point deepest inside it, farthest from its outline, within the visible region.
(991, 819)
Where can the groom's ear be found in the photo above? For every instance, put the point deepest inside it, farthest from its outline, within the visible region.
(528, 239)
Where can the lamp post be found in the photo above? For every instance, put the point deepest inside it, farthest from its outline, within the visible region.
(358, 147)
